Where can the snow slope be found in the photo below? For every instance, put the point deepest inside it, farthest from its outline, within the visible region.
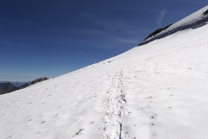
(194, 20)
(157, 91)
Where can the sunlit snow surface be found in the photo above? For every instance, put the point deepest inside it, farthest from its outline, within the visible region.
(155, 91)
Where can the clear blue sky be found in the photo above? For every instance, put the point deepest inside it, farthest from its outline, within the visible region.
(53, 37)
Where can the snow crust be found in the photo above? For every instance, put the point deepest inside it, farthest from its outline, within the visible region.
(194, 20)
(158, 91)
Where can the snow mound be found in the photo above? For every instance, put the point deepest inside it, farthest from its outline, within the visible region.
(194, 20)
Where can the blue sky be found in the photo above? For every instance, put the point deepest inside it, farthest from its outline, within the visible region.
(50, 38)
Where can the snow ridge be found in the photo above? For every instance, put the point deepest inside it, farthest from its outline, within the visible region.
(194, 20)
(114, 107)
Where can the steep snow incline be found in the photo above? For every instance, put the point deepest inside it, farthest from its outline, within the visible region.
(194, 20)
(158, 91)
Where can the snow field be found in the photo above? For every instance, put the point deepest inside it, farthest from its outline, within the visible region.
(155, 91)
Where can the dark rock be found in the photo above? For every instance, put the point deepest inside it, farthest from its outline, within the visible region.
(156, 32)
(205, 13)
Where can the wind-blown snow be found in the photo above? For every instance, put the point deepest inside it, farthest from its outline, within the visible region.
(158, 91)
(194, 20)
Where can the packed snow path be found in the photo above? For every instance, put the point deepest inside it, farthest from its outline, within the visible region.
(113, 107)
(156, 91)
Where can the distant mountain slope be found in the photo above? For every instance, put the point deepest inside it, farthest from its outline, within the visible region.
(194, 20)
(16, 84)
(157, 91)
(6, 88)
(33, 82)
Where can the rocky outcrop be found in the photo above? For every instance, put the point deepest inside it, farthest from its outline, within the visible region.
(156, 32)
(205, 13)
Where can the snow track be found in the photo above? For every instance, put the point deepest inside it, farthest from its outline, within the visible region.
(114, 109)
